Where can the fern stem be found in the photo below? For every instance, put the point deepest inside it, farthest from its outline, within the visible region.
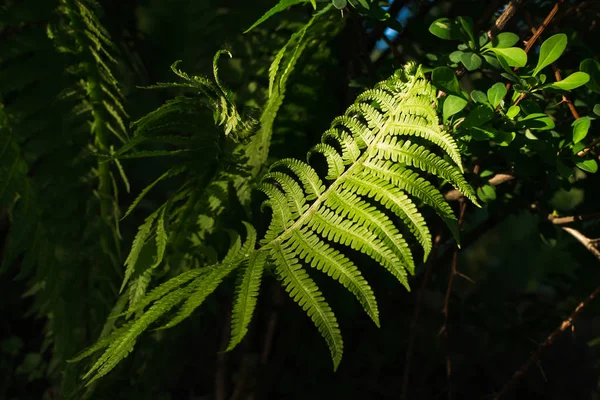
(98, 128)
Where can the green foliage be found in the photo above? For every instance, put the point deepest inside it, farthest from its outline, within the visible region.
(341, 212)
(223, 140)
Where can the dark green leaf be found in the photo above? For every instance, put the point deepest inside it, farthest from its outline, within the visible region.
(467, 26)
(493, 61)
(581, 127)
(445, 79)
(537, 121)
(597, 109)
(483, 39)
(592, 68)
(551, 50)
(453, 105)
(471, 61)
(510, 77)
(479, 116)
(504, 138)
(496, 93)
(571, 82)
(482, 134)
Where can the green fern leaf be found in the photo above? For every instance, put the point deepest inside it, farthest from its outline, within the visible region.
(246, 293)
(279, 7)
(371, 177)
(304, 291)
(144, 232)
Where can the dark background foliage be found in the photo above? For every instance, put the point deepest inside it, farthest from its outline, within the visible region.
(520, 274)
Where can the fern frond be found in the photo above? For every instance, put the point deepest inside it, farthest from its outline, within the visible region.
(367, 201)
(246, 293)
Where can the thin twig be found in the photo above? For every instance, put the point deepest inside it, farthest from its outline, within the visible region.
(589, 244)
(566, 324)
(588, 148)
(416, 314)
(571, 219)
(565, 98)
(537, 32)
(557, 75)
(543, 26)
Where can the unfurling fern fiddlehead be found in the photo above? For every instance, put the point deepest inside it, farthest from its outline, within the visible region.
(373, 153)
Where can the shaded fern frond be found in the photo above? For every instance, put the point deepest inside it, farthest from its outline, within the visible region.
(186, 291)
(214, 96)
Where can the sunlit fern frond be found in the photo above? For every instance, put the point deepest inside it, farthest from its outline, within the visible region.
(376, 154)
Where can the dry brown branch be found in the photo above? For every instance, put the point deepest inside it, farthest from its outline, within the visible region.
(543, 26)
(565, 98)
(509, 11)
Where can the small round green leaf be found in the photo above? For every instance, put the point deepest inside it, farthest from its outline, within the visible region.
(479, 97)
(442, 28)
(471, 61)
(453, 105)
(496, 93)
(504, 40)
(572, 81)
(455, 56)
(339, 4)
(551, 50)
(513, 111)
(597, 109)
